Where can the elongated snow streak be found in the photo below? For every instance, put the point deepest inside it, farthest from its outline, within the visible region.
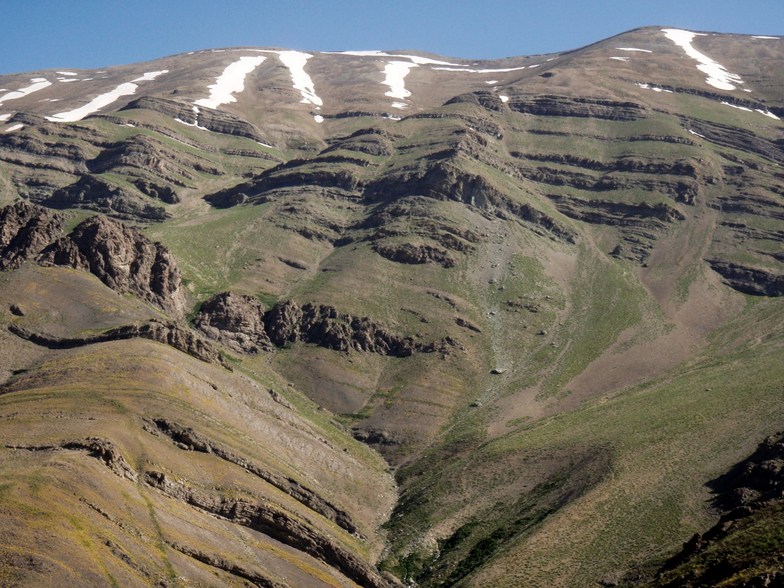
(765, 37)
(414, 58)
(230, 82)
(482, 71)
(633, 49)
(38, 84)
(620, 58)
(744, 108)
(718, 76)
(396, 72)
(126, 89)
(67, 73)
(5, 117)
(295, 61)
(654, 88)
(16, 127)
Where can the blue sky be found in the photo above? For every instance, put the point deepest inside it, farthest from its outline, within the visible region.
(41, 34)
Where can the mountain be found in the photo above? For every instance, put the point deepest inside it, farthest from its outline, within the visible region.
(279, 318)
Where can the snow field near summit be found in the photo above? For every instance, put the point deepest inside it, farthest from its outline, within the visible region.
(396, 72)
(37, 84)
(718, 76)
(230, 82)
(125, 89)
(295, 61)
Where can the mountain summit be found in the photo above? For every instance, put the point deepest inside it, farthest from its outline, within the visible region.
(378, 318)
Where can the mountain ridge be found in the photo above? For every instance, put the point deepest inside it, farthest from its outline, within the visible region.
(383, 318)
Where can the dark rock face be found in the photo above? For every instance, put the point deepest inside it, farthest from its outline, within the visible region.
(749, 280)
(162, 193)
(759, 477)
(213, 120)
(188, 439)
(415, 254)
(546, 105)
(168, 333)
(278, 524)
(25, 229)
(95, 194)
(123, 259)
(287, 323)
(240, 323)
(236, 321)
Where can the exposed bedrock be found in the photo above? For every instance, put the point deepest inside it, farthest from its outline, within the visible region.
(240, 323)
(123, 259)
(25, 229)
(749, 280)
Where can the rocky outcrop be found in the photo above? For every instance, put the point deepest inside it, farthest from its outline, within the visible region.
(216, 121)
(168, 333)
(445, 181)
(287, 323)
(25, 229)
(255, 577)
(639, 224)
(743, 548)
(240, 323)
(550, 105)
(264, 518)
(93, 193)
(236, 321)
(102, 449)
(749, 280)
(123, 259)
(188, 439)
(414, 254)
(759, 477)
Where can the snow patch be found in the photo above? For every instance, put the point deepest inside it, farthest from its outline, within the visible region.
(696, 133)
(66, 80)
(150, 76)
(230, 82)
(491, 82)
(738, 107)
(503, 98)
(318, 118)
(396, 72)
(414, 58)
(633, 49)
(295, 61)
(194, 124)
(746, 109)
(654, 88)
(400, 105)
(67, 73)
(718, 76)
(483, 71)
(624, 59)
(765, 37)
(126, 89)
(38, 84)
(16, 127)
(5, 117)
(747, 89)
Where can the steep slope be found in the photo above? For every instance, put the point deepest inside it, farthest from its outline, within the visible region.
(546, 289)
